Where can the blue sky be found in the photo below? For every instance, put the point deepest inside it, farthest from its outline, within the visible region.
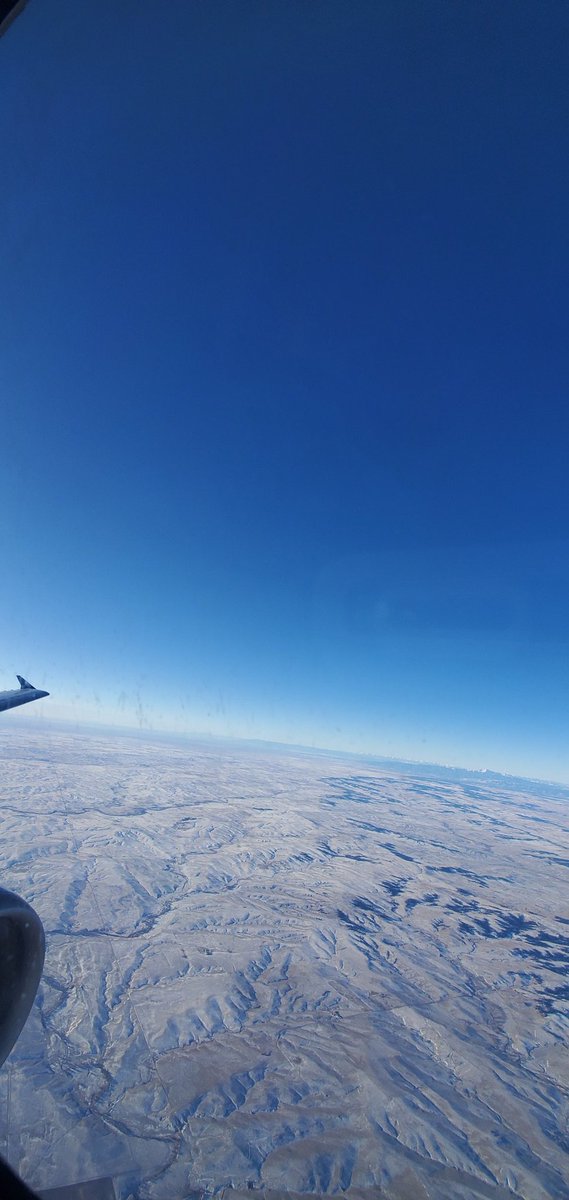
(284, 371)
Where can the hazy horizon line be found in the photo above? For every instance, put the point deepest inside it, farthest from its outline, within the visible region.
(142, 731)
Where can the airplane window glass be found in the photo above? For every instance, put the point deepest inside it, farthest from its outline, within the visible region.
(283, 686)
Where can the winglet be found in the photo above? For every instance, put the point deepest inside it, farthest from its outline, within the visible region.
(24, 683)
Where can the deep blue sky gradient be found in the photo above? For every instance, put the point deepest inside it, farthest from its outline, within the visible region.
(284, 371)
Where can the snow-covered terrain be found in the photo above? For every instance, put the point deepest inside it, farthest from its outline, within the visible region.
(285, 973)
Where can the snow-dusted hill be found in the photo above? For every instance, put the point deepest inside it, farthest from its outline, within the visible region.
(285, 973)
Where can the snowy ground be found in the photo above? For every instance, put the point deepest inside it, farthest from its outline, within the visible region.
(287, 973)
